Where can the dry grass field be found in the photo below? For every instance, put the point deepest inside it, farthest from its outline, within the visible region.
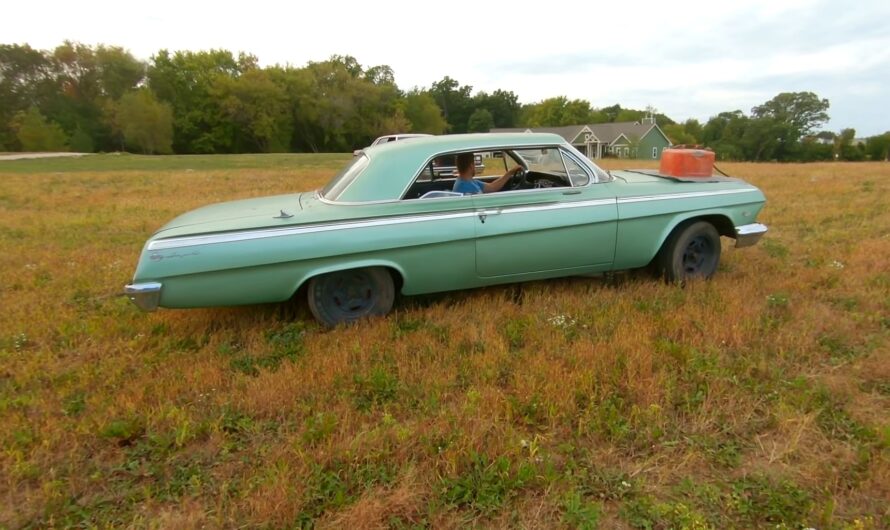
(760, 399)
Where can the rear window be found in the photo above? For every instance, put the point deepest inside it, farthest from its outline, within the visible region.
(343, 179)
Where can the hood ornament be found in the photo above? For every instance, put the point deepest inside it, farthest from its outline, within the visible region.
(283, 215)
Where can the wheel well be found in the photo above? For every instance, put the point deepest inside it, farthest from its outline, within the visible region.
(397, 280)
(722, 223)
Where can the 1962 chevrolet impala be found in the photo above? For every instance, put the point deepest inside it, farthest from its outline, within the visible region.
(388, 221)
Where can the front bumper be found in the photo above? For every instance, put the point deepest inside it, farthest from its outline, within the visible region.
(747, 235)
(146, 296)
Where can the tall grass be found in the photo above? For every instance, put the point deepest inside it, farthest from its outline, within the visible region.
(758, 399)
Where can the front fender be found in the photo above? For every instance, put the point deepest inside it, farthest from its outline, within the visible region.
(640, 239)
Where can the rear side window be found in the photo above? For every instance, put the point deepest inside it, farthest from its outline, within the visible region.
(343, 179)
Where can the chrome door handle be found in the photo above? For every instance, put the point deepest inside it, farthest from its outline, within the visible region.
(483, 214)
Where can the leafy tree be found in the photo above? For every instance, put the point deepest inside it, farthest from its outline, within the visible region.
(693, 128)
(556, 112)
(811, 149)
(455, 102)
(480, 121)
(503, 106)
(789, 116)
(258, 108)
(423, 113)
(764, 139)
(878, 147)
(630, 115)
(185, 80)
(677, 134)
(25, 76)
(81, 141)
(397, 123)
(145, 122)
(35, 133)
(118, 71)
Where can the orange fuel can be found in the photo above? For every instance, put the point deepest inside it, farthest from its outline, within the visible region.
(683, 161)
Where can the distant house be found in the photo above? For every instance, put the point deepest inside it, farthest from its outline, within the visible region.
(643, 139)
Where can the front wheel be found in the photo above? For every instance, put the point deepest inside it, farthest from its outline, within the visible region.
(350, 295)
(690, 252)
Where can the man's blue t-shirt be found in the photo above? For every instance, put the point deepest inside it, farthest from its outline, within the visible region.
(468, 186)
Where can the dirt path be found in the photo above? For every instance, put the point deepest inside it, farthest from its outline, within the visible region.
(24, 156)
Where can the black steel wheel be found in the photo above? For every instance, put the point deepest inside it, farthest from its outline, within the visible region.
(346, 296)
(692, 251)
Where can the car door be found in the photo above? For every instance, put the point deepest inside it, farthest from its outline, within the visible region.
(551, 229)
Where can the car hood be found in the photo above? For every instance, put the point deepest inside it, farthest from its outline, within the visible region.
(260, 212)
(633, 177)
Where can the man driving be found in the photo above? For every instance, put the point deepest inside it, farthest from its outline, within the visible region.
(466, 170)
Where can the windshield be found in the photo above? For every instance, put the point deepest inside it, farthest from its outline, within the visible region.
(343, 179)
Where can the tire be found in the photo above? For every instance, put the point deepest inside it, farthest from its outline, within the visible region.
(692, 251)
(346, 296)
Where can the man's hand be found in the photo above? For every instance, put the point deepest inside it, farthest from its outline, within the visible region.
(500, 182)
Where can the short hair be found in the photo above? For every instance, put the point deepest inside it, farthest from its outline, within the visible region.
(465, 161)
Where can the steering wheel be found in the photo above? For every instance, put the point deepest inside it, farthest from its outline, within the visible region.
(518, 179)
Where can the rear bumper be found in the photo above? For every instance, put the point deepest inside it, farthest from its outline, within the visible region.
(747, 235)
(146, 296)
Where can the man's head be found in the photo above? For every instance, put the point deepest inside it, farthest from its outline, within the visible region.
(466, 164)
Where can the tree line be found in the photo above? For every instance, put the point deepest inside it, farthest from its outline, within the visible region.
(100, 98)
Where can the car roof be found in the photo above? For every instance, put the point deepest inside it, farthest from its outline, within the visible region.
(392, 166)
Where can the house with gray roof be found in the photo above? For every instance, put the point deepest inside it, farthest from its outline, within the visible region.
(643, 139)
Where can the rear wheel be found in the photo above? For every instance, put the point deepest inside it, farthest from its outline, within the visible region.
(692, 251)
(350, 295)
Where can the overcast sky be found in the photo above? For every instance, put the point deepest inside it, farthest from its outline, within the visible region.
(688, 59)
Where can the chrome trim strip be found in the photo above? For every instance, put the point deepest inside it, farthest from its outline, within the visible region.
(748, 235)
(553, 206)
(230, 237)
(146, 296)
(687, 195)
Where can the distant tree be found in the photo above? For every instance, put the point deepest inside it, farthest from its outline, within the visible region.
(764, 139)
(610, 113)
(812, 149)
(693, 128)
(258, 109)
(503, 106)
(119, 72)
(380, 75)
(556, 112)
(678, 135)
(145, 122)
(630, 115)
(397, 123)
(35, 133)
(184, 81)
(81, 141)
(480, 121)
(455, 101)
(878, 147)
(789, 116)
(423, 113)
(25, 80)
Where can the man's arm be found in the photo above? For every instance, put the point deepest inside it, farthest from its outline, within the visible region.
(496, 185)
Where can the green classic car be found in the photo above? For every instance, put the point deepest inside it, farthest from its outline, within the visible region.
(389, 222)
